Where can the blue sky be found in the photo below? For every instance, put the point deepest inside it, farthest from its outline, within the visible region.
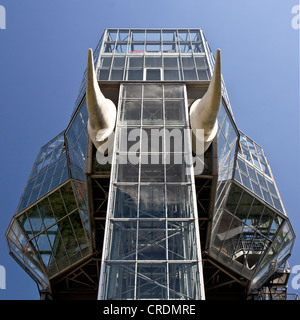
(43, 53)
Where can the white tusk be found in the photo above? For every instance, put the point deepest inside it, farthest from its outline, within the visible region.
(204, 112)
(101, 111)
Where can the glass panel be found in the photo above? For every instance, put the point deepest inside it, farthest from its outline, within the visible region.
(189, 74)
(132, 91)
(153, 91)
(120, 281)
(153, 62)
(173, 91)
(68, 196)
(109, 47)
(138, 35)
(244, 206)
(172, 75)
(195, 35)
(233, 198)
(169, 47)
(187, 62)
(136, 48)
(123, 246)
(152, 201)
(153, 36)
(171, 62)
(152, 240)
(123, 35)
(136, 62)
(112, 35)
(174, 112)
(169, 35)
(183, 35)
(135, 74)
(178, 198)
(201, 62)
(121, 47)
(57, 205)
(153, 47)
(103, 74)
(153, 112)
(116, 74)
(151, 281)
(185, 47)
(153, 74)
(105, 62)
(203, 74)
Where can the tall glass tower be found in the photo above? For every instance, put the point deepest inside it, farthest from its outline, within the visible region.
(139, 214)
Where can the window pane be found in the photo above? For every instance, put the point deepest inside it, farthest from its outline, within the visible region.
(195, 35)
(185, 47)
(119, 62)
(153, 74)
(132, 91)
(183, 35)
(109, 47)
(169, 35)
(138, 35)
(136, 62)
(171, 62)
(175, 113)
(135, 74)
(116, 74)
(103, 74)
(112, 35)
(173, 91)
(187, 62)
(153, 47)
(171, 75)
(202, 74)
(136, 47)
(169, 47)
(153, 36)
(121, 47)
(131, 111)
(126, 200)
(152, 201)
(190, 74)
(153, 62)
(153, 91)
(153, 112)
(123, 35)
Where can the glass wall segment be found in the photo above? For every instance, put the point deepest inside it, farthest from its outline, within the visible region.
(49, 171)
(53, 234)
(77, 137)
(152, 235)
(153, 55)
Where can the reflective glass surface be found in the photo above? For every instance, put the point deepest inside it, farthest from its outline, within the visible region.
(153, 55)
(152, 231)
(49, 171)
(53, 234)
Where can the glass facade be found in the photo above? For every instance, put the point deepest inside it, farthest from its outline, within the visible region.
(153, 55)
(53, 234)
(151, 243)
(152, 235)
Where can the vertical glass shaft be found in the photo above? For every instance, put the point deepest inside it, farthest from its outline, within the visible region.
(152, 244)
